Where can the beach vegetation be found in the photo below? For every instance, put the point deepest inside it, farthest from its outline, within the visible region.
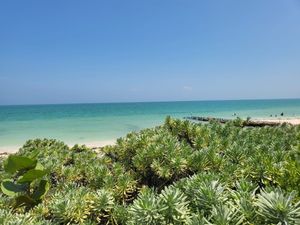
(26, 184)
(178, 173)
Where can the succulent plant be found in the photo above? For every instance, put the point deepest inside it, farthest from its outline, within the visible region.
(145, 209)
(178, 173)
(173, 205)
(8, 217)
(275, 207)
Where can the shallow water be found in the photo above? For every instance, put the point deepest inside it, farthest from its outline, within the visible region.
(84, 123)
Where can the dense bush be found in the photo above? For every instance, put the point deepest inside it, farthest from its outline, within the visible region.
(178, 173)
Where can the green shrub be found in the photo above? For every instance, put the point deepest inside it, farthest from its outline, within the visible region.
(275, 207)
(26, 184)
(8, 217)
(205, 192)
(71, 205)
(173, 205)
(177, 173)
(145, 209)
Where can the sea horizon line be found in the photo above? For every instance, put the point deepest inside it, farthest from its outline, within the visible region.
(154, 101)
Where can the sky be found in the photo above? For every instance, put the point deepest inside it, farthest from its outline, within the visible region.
(71, 51)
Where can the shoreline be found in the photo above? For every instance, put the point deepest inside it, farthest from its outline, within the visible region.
(290, 120)
(91, 144)
(10, 149)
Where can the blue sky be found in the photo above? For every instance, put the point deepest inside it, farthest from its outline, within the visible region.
(154, 50)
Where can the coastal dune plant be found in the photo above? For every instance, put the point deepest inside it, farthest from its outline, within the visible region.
(169, 207)
(26, 185)
(70, 206)
(275, 207)
(225, 215)
(205, 192)
(164, 158)
(243, 196)
(177, 173)
(8, 217)
(174, 206)
(79, 205)
(102, 205)
(146, 209)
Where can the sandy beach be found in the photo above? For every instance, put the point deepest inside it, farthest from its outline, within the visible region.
(93, 144)
(293, 121)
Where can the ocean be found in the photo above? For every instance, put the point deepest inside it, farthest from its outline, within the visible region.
(83, 123)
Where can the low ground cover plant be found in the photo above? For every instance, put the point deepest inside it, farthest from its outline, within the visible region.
(178, 173)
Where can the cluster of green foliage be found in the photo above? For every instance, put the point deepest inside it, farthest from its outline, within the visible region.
(177, 173)
(26, 183)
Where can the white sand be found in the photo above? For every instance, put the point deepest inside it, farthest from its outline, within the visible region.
(9, 149)
(293, 121)
(93, 144)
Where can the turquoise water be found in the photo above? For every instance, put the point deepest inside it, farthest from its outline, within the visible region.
(84, 123)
